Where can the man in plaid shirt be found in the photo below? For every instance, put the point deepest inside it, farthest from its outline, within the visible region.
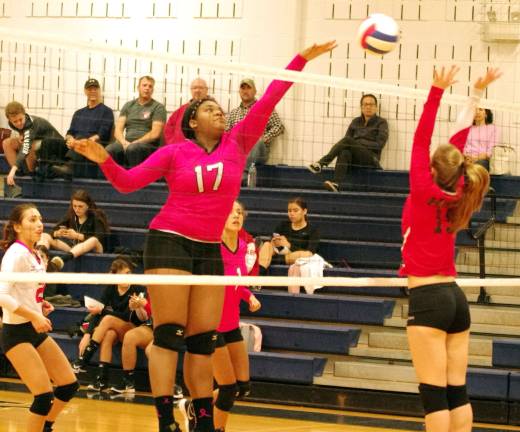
(274, 127)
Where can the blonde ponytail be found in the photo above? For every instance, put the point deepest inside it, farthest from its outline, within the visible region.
(476, 186)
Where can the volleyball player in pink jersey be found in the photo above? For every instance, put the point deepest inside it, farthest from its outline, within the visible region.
(203, 174)
(230, 360)
(444, 192)
(37, 358)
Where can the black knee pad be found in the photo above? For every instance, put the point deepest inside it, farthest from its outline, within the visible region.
(434, 398)
(457, 396)
(244, 388)
(66, 392)
(42, 404)
(202, 343)
(226, 397)
(169, 336)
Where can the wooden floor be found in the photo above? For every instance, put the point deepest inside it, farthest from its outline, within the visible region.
(89, 415)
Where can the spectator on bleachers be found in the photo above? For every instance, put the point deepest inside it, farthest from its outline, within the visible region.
(173, 128)
(95, 121)
(483, 137)
(83, 229)
(292, 239)
(124, 308)
(139, 126)
(34, 134)
(260, 152)
(361, 146)
(138, 337)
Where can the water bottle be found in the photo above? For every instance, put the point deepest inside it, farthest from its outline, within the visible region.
(251, 176)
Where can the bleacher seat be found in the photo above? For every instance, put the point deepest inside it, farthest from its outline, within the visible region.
(506, 353)
(317, 307)
(299, 336)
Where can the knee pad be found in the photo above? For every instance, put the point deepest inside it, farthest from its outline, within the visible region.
(202, 343)
(42, 404)
(457, 396)
(244, 388)
(434, 398)
(169, 336)
(226, 397)
(66, 392)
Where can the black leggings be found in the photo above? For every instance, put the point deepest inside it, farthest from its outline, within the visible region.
(349, 152)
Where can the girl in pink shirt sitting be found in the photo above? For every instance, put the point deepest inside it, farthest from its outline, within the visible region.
(482, 138)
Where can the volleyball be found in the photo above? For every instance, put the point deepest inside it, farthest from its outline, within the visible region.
(378, 34)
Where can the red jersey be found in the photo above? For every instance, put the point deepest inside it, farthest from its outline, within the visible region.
(203, 186)
(428, 245)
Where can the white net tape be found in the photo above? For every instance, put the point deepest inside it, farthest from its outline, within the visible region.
(111, 279)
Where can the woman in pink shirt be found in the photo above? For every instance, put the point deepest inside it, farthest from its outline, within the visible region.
(482, 137)
(444, 192)
(203, 174)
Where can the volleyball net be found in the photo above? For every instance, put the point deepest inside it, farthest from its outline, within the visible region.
(359, 232)
(47, 72)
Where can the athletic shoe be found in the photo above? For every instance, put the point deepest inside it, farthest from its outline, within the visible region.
(98, 386)
(188, 412)
(314, 168)
(177, 392)
(126, 387)
(78, 366)
(64, 170)
(331, 186)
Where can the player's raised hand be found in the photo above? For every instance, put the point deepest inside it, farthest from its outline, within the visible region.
(91, 150)
(318, 49)
(445, 78)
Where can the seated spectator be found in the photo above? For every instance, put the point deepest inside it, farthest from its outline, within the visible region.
(483, 137)
(139, 126)
(95, 122)
(138, 337)
(173, 128)
(125, 307)
(361, 146)
(260, 152)
(292, 239)
(34, 134)
(83, 229)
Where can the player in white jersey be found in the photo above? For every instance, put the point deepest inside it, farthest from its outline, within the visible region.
(36, 357)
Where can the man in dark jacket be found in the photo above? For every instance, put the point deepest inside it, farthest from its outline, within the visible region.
(34, 135)
(361, 146)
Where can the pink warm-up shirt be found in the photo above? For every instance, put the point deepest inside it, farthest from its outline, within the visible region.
(234, 265)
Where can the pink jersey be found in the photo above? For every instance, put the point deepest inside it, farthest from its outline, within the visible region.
(428, 245)
(234, 264)
(202, 185)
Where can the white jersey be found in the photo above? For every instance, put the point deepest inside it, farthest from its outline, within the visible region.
(18, 258)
